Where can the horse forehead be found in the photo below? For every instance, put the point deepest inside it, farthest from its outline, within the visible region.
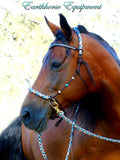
(56, 53)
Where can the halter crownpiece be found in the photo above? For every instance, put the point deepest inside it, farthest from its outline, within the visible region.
(76, 30)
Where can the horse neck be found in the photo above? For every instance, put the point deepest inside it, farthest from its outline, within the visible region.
(106, 73)
(110, 100)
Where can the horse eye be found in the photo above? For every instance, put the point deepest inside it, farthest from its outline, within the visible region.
(55, 65)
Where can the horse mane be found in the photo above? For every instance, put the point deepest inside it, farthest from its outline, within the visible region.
(105, 44)
(11, 141)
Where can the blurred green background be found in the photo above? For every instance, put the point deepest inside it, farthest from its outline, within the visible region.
(25, 37)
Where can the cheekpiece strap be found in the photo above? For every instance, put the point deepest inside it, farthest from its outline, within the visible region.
(76, 30)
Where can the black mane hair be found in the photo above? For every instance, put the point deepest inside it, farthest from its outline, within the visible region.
(60, 37)
(105, 44)
(11, 142)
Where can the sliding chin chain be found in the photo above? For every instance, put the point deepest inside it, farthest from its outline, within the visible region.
(54, 104)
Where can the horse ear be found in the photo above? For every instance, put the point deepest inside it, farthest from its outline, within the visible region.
(52, 26)
(65, 27)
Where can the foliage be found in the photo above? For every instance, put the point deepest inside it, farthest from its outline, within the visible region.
(23, 44)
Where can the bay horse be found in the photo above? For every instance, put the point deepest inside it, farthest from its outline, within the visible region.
(78, 86)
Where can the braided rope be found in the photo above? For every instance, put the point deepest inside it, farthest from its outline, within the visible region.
(74, 126)
(70, 141)
(76, 30)
(72, 134)
(61, 114)
(42, 147)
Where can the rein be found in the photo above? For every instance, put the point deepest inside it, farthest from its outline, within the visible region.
(55, 105)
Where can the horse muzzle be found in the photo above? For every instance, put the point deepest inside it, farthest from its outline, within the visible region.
(35, 118)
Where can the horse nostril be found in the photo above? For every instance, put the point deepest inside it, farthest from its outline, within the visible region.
(26, 116)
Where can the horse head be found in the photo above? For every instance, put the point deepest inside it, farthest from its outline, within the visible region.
(72, 68)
